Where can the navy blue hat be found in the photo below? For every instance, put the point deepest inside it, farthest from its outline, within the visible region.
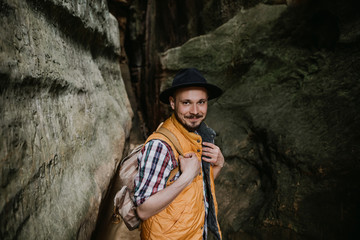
(187, 78)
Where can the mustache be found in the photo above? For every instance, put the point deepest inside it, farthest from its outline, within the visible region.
(191, 116)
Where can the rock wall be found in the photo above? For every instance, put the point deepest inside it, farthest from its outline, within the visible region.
(159, 25)
(288, 120)
(64, 116)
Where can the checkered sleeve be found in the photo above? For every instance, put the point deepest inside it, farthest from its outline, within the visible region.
(156, 160)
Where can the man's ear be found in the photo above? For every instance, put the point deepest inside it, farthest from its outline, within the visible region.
(172, 102)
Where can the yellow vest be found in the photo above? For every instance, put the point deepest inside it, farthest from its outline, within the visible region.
(184, 217)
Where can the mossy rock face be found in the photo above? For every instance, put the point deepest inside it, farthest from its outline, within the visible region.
(64, 116)
(287, 122)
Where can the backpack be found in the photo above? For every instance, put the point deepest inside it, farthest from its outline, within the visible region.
(124, 207)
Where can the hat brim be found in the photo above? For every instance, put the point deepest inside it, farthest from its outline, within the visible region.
(213, 91)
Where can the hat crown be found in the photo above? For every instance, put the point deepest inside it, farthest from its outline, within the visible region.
(188, 75)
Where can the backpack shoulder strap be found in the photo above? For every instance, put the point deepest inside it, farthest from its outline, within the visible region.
(173, 139)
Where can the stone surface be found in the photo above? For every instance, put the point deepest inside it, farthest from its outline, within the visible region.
(157, 26)
(64, 116)
(288, 120)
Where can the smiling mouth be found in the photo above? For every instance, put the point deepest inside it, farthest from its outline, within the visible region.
(194, 117)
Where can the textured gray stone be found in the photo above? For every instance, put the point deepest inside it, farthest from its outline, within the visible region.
(64, 116)
(287, 122)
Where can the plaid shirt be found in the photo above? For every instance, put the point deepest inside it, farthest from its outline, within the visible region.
(156, 160)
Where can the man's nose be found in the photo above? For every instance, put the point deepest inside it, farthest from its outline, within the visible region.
(194, 109)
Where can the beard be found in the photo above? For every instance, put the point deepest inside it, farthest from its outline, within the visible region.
(190, 128)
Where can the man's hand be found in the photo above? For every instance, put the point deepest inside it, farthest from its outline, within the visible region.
(213, 155)
(190, 166)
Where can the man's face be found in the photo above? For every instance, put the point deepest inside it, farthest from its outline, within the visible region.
(190, 106)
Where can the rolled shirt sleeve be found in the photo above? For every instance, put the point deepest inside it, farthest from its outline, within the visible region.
(156, 160)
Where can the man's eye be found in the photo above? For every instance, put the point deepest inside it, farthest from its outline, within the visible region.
(202, 102)
(186, 103)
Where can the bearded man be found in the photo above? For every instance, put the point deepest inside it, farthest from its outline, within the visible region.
(183, 207)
